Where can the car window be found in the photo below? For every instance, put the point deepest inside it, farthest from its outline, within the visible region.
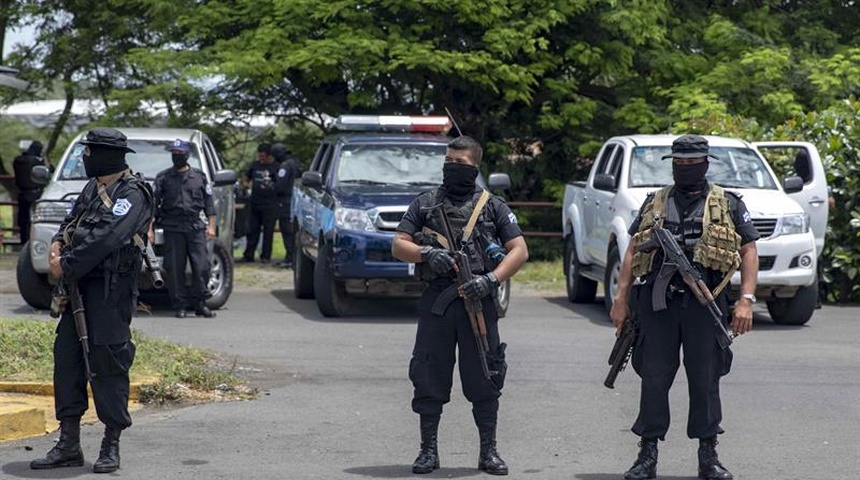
(406, 164)
(318, 156)
(734, 167)
(325, 162)
(603, 161)
(614, 166)
(217, 162)
(150, 157)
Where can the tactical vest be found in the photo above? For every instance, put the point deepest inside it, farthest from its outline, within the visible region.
(709, 232)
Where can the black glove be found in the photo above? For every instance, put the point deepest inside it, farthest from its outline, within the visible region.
(439, 260)
(480, 286)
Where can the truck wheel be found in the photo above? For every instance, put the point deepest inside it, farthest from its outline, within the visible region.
(332, 299)
(797, 310)
(503, 298)
(303, 270)
(220, 275)
(610, 281)
(579, 288)
(34, 286)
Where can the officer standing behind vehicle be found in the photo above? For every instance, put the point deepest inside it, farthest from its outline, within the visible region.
(28, 191)
(183, 198)
(713, 228)
(101, 255)
(432, 366)
(263, 204)
(288, 168)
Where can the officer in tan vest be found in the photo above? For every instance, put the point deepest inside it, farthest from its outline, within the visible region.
(714, 229)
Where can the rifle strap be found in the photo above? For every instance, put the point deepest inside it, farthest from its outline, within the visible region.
(467, 232)
(725, 282)
(436, 235)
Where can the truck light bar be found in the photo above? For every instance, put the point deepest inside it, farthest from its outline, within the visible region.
(393, 123)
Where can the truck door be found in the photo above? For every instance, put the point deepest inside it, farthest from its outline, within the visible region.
(803, 160)
(604, 210)
(592, 200)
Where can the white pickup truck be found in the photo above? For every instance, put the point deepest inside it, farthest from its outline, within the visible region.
(791, 217)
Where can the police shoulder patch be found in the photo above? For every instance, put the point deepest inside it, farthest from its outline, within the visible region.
(208, 189)
(282, 173)
(121, 207)
(512, 218)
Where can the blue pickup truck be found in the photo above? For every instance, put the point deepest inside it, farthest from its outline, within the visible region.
(346, 207)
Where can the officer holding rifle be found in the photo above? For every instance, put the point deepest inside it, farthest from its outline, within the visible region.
(457, 308)
(715, 232)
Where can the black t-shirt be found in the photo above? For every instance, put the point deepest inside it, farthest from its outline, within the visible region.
(263, 177)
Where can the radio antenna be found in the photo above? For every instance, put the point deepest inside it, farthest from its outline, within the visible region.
(459, 133)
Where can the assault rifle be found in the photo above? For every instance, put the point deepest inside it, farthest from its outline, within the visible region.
(474, 308)
(623, 349)
(150, 262)
(68, 292)
(674, 261)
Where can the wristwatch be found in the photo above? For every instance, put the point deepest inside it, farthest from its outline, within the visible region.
(749, 296)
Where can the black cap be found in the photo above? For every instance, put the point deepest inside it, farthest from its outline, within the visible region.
(107, 138)
(689, 146)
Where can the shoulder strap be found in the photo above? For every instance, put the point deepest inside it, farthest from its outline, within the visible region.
(467, 232)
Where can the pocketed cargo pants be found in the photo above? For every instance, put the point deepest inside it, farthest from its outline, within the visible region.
(684, 324)
(181, 248)
(432, 366)
(109, 363)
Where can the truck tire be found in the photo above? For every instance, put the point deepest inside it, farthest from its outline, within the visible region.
(303, 272)
(579, 288)
(332, 299)
(220, 275)
(610, 281)
(503, 298)
(796, 310)
(34, 286)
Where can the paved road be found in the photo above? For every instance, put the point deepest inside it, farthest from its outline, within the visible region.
(335, 401)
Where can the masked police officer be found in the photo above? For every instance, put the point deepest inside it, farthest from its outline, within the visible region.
(186, 212)
(289, 167)
(443, 322)
(715, 231)
(100, 242)
(28, 191)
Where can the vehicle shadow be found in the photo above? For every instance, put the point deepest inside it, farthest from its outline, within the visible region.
(615, 476)
(361, 310)
(405, 471)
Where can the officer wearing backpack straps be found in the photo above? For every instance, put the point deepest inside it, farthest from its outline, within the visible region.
(444, 327)
(101, 255)
(715, 230)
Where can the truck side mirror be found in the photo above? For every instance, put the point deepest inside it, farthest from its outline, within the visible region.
(40, 174)
(224, 177)
(499, 181)
(312, 179)
(604, 181)
(792, 184)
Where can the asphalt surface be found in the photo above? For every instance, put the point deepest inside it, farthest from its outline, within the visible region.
(335, 400)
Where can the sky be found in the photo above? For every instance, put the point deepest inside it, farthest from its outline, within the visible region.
(25, 35)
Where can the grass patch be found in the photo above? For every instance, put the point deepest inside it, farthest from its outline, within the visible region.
(185, 374)
(542, 275)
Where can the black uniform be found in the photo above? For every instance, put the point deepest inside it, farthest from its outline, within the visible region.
(289, 167)
(432, 366)
(105, 263)
(183, 202)
(686, 324)
(263, 207)
(28, 191)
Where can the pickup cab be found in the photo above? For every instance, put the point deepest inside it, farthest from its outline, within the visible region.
(346, 207)
(790, 216)
(152, 156)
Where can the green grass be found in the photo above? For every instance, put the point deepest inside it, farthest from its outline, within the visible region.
(183, 373)
(544, 276)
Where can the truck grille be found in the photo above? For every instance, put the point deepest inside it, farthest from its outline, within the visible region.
(765, 226)
(766, 262)
(389, 217)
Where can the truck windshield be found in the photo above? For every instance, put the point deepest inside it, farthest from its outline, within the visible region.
(407, 164)
(151, 157)
(734, 168)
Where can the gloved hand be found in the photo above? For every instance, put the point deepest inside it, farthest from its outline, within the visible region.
(480, 286)
(439, 260)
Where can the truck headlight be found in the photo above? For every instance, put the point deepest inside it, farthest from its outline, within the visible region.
(51, 212)
(792, 225)
(353, 219)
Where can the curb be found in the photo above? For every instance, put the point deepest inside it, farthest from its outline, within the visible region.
(19, 420)
(47, 389)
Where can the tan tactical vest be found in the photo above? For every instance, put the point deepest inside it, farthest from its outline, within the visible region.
(717, 249)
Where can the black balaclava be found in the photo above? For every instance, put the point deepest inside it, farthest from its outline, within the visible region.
(690, 178)
(459, 178)
(180, 160)
(104, 161)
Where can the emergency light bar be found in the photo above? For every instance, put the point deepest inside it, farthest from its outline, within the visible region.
(393, 123)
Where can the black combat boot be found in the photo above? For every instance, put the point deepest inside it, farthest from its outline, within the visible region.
(67, 452)
(428, 457)
(108, 461)
(489, 459)
(646, 462)
(710, 467)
